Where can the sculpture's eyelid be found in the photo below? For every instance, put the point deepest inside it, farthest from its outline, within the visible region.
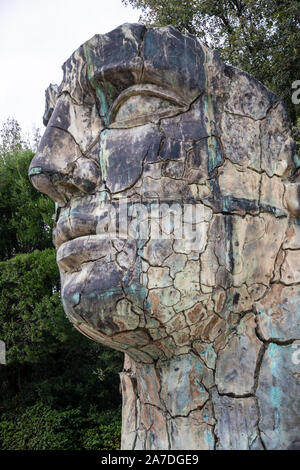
(47, 115)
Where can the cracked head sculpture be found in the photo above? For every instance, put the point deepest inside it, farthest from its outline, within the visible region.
(177, 235)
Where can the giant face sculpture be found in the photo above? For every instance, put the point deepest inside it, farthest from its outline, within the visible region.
(175, 208)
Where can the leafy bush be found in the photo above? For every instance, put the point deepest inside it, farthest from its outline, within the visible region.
(46, 357)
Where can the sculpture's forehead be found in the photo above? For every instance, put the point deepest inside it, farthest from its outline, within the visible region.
(133, 54)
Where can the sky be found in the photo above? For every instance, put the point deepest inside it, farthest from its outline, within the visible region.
(36, 37)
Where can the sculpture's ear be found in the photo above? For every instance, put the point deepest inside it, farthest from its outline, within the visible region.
(51, 95)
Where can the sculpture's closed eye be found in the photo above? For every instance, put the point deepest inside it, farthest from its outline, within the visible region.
(140, 104)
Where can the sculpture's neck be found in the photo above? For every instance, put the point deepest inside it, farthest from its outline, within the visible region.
(175, 405)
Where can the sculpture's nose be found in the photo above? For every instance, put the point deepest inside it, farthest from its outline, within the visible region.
(59, 169)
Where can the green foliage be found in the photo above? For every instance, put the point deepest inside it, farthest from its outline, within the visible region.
(106, 435)
(31, 319)
(12, 139)
(40, 428)
(259, 36)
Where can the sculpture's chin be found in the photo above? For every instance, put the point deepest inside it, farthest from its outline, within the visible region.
(104, 298)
